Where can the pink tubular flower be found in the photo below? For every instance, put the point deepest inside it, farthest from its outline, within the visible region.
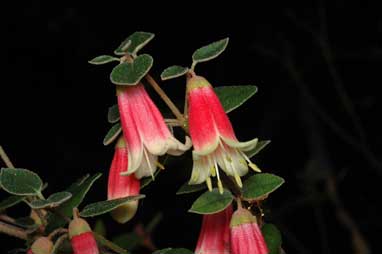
(214, 237)
(43, 245)
(213, 137)
(145, 131)
(122, 186)
(246, 237)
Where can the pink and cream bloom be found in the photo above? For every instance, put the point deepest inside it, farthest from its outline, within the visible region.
(246, 237)
(81, 237)
(120, 186)
(145, 131)
(213, 137)
(214, 237)
(42, 245)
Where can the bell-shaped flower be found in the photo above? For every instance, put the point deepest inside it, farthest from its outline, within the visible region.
(213, 137)
(145, 131)
(81, 237)
(120, 186)
(214, 237)
(246, 237)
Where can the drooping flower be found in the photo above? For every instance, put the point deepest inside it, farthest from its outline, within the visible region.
(246, 237)
(214, 237)
(42, 245)
(120, 186)
(81, 237)
(213, 137)
(145, 131)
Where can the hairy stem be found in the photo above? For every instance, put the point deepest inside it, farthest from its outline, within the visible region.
(12, 231)
(5, 158)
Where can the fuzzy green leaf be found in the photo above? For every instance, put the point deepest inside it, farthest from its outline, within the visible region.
(137, 41)
(190, 188)
(18, 181)
(260, 146)
(259, 186)
(10, 201)
(232, 97)
(53, 200)
(112, 134)
(173, 72)
(272, 237)
(113, 114)
(212, 202)
(173, 251)
(210, 51)
(78, 190)
(129, 74)
(106, 206)
(103, 59)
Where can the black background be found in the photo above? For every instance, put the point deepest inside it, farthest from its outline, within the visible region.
(54, 105)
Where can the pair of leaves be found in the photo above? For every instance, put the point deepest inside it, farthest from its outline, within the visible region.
(259, 186)
(202, 54)
(53, 200)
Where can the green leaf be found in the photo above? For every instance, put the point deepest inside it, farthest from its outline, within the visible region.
(272, 237)
(232, 97)
(122, 48)
(53, 200)
(103, 59)
(78, 190)
(109, 244)
(10, 201)
(190, 188)
(212, 202)
(112, 134)
(260, 146)
(137, 41)
(26, 222)
(100, 227)
(18, 181)
(173, 251)
(113, 114)
(210, 51)
(259, 186)
(173, 72)
(106, 206)
(129, 74)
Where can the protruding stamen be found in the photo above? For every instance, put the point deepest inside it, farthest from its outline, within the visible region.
(148, 163)
(254, 167)
(213, 173)
(209, 183)
(220, 186)
(160, 165)
(238, 180)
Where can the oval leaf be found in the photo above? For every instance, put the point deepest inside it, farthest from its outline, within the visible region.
(19, 181)
(212, 202)
(137, 41)
(112, 134)
(129, 74)
(210, 51)
(272, 237)
(113, 114)
(54, 200)
(190, 188)
(232, 97)
(10, 201)
(79, 189)
(261, 185)
(102, 207)
(173, 72)
(173, 251)
(103, 59)
(260, 146)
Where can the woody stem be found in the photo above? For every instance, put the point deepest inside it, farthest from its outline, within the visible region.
(5, 158)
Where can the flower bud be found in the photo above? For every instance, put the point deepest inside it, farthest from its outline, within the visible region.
(81, 237)
(246, 237)
(43, 245)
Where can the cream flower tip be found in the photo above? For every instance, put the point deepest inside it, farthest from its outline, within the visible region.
(209, 183)
(254, 167)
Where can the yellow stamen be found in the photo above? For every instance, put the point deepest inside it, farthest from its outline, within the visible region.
(254, 167)
(238, 180)
(213, 173)
(220, 186)
(209, 183)
(160, 165)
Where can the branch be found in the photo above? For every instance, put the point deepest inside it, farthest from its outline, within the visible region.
(13, 231)
(5, 158)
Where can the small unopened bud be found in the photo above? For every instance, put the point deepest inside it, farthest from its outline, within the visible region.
(43, 245)
(81, 236)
